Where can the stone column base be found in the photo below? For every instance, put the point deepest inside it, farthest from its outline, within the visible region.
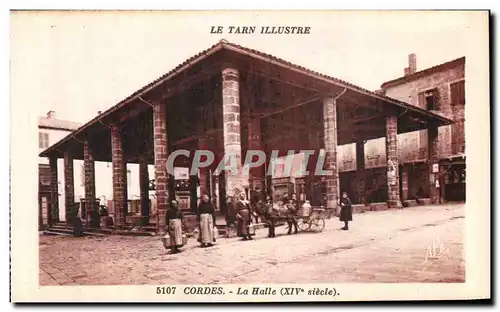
(394, 204)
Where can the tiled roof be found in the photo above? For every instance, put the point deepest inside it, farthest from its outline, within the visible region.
(423, 72)
(223, 44)
(44, 122)
(331, 79)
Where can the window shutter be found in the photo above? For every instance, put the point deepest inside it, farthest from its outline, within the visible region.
(457, 91)
(421, 100)
(40, 140)
(46, 137)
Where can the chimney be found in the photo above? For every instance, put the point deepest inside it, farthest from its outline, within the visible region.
(412, 63)
(51, 115)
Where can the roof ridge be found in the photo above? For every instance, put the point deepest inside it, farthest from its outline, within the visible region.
(420, 72)
(224, 44)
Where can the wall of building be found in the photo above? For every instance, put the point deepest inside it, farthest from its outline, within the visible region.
(409, 92)
(412, 147)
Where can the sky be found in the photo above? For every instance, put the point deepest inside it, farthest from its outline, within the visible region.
(78, 63)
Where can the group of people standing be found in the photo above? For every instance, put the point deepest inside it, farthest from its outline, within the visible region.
(240, 213)
(175, 224)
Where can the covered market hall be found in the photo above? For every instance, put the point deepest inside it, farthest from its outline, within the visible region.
(230, 99)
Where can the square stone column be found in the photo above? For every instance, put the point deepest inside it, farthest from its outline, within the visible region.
(54, 192)
(161, 155)
(204, 174)
(69, 188)
(361, 171)
(256, 175)
(91, 207)
(391, 148)
(404, 181)
(433, 153)
(144, 189)
(330, 128)
(193, 193)
(232, 129)
(311, 183)
(120, 201)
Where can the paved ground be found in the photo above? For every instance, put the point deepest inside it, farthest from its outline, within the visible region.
(386, 246)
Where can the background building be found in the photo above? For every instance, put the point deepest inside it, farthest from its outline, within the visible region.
(440, 89)
(51, 130)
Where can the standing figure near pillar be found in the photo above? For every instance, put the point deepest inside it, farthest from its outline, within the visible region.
(206, 217)
(244, 212)
(174, 219)
(293, 200)
(345, 210)
(291, 213)
(258, 209)
(270, 214)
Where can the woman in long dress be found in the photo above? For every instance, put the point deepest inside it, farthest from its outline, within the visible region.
(174, 220)
(345, 210)
(206, 216)
(244, 212)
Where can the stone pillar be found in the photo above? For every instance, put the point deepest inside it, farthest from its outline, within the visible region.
(161, 155)
(193, 192)
(144, 189)
(330, 138)
(433, 146)
(311, 179)
(268, 180)
(91, 207)
(404, 181)
(232, 130)
(120, 202)
(361, 171)
(204, 174)
(391, 148)
(256, 175)
(69, 188)
(54, 192)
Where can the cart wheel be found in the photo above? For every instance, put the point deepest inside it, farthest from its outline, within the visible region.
(303, 224)
(317, 225)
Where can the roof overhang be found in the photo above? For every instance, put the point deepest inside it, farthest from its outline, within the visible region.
(330, 86)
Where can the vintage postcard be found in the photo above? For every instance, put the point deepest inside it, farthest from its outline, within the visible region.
(249, 156)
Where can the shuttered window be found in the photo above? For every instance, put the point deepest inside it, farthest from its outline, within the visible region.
(457, 90)
(43, 140)
(429, 99)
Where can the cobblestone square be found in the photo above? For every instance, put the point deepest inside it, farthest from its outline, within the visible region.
(418, 244)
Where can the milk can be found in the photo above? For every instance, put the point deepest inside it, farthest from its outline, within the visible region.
(306, 209)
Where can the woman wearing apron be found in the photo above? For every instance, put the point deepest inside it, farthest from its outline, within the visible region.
(206, 216)
(174, 220)
(244, 211)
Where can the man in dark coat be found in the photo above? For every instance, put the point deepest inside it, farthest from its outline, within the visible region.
(291, 213)
(345, 210)
(270, 214)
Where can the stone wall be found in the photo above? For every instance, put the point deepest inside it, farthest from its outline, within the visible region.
(409, 92)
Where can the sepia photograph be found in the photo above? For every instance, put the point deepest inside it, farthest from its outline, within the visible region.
(250, 156)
